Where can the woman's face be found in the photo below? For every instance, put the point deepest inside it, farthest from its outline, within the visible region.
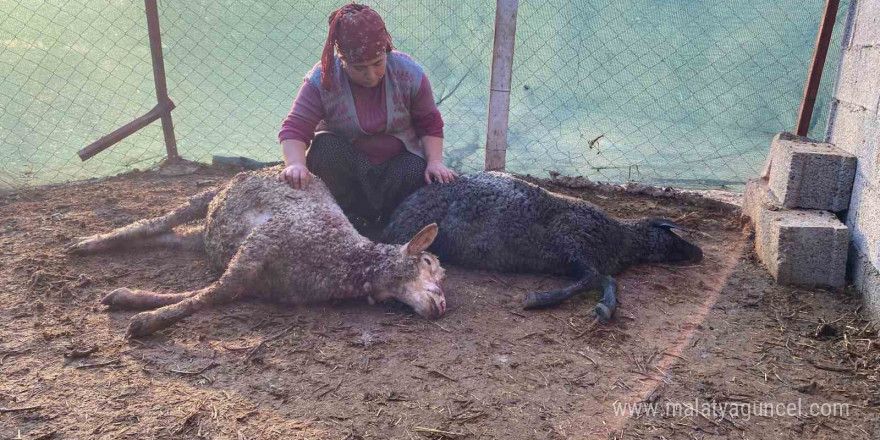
(366, 73)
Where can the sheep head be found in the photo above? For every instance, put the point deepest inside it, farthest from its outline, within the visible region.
(660, 244)
(423, 292)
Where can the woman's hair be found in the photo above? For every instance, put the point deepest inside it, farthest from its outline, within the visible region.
(358, 33)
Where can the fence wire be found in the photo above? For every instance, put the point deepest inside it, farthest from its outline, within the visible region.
(71, 72)
(670, 92)
(681, 93)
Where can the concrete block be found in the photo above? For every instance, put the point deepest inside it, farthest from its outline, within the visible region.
(802, 246)
(866, 30)
(864, 220)
(852, 214)
(756, 196)
(869, 156)
(857, 133)
(758, 203)
(768, 162)
(810, 175)
(866, 279)
(859, 79)
(848, 129)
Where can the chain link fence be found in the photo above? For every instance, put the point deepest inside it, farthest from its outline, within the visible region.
(679, 93)
(671, 92)
(235, 67)
(71, 72)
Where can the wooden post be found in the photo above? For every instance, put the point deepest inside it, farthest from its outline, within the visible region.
(159, 76)
(163, 108)
(814, 76)
(499, 87)
(125, 131)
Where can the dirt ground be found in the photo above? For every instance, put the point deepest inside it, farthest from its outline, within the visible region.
(718, 330)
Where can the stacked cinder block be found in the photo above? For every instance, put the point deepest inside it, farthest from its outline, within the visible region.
(792, 205)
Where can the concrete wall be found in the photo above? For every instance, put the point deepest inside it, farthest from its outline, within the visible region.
(854, 126)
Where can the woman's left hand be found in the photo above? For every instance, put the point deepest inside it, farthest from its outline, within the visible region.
(437, 172)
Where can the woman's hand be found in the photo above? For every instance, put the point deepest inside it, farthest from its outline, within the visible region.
(296, 175)
(437, 172)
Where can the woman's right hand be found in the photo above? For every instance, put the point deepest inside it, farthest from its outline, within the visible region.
(296, 175)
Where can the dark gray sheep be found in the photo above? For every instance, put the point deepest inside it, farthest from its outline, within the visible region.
(293, 246)
(495, 221)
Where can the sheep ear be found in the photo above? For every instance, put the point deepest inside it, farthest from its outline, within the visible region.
(421, 241)
(667, 224)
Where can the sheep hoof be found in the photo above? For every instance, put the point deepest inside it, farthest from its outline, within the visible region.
(79, 246)
(602, 313)
(118, 298)
(540, 300)
(139, 326)
(605, 309)
(146, 323)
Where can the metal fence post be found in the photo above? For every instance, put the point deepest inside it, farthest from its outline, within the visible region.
(163, 107)
(814, 76)
(159, 76)
(499, 88)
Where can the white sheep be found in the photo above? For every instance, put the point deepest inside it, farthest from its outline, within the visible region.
(293, 246)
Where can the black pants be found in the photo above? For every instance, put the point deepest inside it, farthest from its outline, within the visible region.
(371, 192)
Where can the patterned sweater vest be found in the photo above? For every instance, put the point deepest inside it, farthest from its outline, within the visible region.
(403, 77)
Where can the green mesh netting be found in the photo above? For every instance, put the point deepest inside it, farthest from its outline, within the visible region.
(681, 93)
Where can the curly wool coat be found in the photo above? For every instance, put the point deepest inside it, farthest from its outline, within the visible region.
(495, 221)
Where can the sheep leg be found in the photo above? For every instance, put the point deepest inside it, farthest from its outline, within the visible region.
(196, 207)
(592, 280)
(125, 298)
(243, 274)
(539, 300)
(191, 239)
(606, 307)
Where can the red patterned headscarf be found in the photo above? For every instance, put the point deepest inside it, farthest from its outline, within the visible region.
(358, 34)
